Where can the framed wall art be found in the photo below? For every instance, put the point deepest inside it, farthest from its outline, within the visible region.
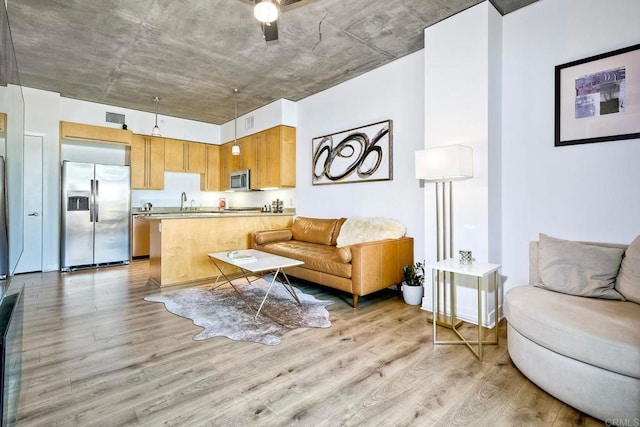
(598, 98)
(361, 154)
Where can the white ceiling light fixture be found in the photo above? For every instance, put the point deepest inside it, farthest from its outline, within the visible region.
(235, 149)
(156, 129)
(266, 11)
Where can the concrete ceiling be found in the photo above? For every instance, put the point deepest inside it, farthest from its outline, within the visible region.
(192, 53)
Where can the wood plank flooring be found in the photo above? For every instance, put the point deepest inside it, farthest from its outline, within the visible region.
(96, 354)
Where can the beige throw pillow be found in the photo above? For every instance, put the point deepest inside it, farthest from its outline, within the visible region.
(578, 269)
(628, 281)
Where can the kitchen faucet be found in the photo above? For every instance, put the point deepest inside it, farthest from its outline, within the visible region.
(183, 198)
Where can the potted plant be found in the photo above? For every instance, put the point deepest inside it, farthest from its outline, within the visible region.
(413, 280)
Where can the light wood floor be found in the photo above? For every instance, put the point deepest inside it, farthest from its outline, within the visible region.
(95, 353)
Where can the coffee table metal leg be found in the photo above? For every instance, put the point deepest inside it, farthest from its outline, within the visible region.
(267, 293)
(287, 286)
(228, 280)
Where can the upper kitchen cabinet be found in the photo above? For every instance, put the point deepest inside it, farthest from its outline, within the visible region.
(245, 160)
(3, 122)
(147, 162)
(270, 155)
(80, 131)
(210, 180)
(228, 164)
(248, 154)
(185, 156)
(276, 159)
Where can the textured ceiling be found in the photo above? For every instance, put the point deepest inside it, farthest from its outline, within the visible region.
(192, 53)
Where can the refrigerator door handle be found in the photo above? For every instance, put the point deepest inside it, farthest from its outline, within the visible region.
(96, 203)
(92, 200)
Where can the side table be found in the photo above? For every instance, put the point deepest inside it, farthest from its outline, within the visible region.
(478, 270)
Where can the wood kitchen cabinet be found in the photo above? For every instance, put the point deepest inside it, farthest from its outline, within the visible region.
(210, 180)
(228, 163)
(3, 122)
(70, 130)
(140, 240)
(147, 159)
(270, 155)
(245, 160)
(248, 154)
(179, 246)
(185, 156)
(225, 167)
(276, 158)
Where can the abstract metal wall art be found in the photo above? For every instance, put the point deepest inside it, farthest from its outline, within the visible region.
(361, 154)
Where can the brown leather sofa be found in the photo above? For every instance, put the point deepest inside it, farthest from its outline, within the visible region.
(358, 269)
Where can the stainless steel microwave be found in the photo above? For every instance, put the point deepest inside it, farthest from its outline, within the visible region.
(240, 180)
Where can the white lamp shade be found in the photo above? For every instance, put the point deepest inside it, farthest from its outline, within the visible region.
(235, 150)
(443, 164)
(155, 131)
(265, 11)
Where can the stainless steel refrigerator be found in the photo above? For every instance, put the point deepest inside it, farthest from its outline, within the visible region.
(4, 232)
(96, 215)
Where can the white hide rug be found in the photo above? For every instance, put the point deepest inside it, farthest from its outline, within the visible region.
(223, 313)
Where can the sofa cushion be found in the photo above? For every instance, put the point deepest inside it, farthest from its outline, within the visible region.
(578, 269)
(359, 230)
(269, 236)
(313, 230)
(322, 258)
(600, 332)
(345, 254)
(628, 280)
(336, 231)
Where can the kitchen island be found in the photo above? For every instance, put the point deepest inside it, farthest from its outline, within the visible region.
(179, 242)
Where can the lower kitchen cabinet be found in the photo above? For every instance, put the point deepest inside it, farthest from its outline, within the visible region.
(140, 238)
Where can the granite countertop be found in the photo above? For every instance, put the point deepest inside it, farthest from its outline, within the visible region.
(175, 213)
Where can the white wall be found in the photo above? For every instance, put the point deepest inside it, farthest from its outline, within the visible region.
(42, 110)
(584, 192)
(393, 91)
(73, 110)
(280, 112)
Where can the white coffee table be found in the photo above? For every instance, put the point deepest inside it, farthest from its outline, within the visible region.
(257, 262)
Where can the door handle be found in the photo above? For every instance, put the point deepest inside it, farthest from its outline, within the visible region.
(96, 201)
(34, 214)
(92, 201)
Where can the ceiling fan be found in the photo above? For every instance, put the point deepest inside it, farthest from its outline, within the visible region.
(267, 13)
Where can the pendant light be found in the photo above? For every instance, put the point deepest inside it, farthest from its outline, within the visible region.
(235, 149)
(265, 11)
(156, 129)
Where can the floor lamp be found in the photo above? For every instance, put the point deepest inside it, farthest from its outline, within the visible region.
(442, 166)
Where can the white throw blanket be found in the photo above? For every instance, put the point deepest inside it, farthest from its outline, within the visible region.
(359, 230)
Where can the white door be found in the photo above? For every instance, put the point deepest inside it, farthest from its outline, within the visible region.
(31, 259)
